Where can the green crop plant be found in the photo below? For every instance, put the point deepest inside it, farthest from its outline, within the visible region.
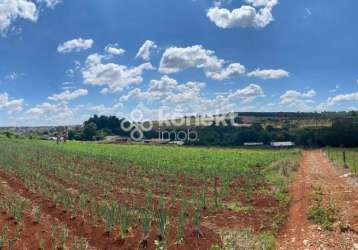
(182, 221)
(197, 222)
(124, 221)
(146, 223)
(109, 212)
(163, 223)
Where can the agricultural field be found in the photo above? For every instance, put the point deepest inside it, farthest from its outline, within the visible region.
(99, 196)
(344, 158)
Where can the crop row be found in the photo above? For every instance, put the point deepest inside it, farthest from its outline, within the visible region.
(125, 194)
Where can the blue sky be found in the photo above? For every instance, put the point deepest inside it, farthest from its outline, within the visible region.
(62, 61)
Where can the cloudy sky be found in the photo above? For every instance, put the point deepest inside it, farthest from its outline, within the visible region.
(64, 60)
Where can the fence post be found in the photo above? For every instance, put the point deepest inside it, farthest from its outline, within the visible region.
(344, 159)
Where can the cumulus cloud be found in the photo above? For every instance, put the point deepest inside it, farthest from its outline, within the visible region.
(332, 101)
(75, 45)
(68, 95)
(247, 94)
(11, 105)
(176, 59)
(113, 49)
(105, 110)
(10, 10)
(145, 50)
(115, 77)
(231, 70)
(245, 16)
(47, 113)
(296, 99)
(166, 89)
(269, 73)
(179, 99)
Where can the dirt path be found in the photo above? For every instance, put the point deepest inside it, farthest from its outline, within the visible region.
(300, 233)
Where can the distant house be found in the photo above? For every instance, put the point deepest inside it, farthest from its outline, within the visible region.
(253, 144)
(116, 139)
(284, 144)
(155, 141)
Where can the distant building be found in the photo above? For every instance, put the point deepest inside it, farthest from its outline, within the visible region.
(155, 141)
(116, 139)
(179, 143)
(253, 144)
(284, 144)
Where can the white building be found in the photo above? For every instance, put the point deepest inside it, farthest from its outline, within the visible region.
(284, 144)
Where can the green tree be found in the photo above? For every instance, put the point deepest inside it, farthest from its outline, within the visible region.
(90, 131)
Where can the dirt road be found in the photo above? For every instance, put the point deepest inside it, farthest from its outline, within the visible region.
(300, 233)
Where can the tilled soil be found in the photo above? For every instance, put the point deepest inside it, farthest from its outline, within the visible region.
(299, 232)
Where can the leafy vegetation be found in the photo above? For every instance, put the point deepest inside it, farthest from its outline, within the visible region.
(160, 189)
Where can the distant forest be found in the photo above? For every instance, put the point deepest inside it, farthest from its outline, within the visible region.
(342, 132)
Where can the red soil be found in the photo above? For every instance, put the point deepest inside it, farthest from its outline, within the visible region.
(300, 233)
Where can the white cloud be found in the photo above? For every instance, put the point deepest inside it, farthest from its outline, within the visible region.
(113, 49)
(176, 59)
(179, 99)
(245, 16)
(13, 76)
(332, 101)
(105, 110)
(12, 105)
(115, 77)
(75, 45)
(298, 100)
(247, 94)
(10, 10)
(158, 90)
(232, 70)
(50, 3)
(47, 113)
(145, 49)
(67, 95)
(258, 3)
(269, 73)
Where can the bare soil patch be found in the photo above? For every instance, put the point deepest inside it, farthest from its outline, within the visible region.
(299, 232)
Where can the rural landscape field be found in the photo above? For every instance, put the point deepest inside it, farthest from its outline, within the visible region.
(103, 196)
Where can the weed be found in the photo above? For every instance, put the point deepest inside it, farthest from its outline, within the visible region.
(37, 214)
(323, 216)
(319, 214)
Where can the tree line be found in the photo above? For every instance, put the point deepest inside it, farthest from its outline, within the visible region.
(343, 132)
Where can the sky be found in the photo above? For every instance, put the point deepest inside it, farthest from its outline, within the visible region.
(62, 61)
